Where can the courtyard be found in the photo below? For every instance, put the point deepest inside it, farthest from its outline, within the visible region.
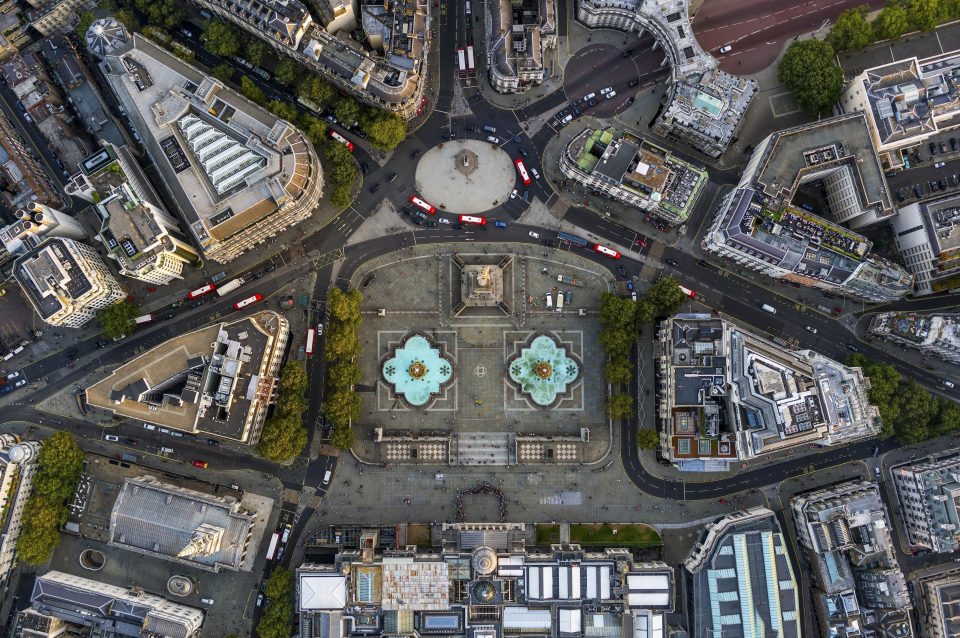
(464, 363)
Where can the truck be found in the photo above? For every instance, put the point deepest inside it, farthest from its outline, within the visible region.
(147, 318)
(230, 286)
(566, 279)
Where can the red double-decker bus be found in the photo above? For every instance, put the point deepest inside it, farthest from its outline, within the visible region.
(419, 203)
(336, 136)
(201, 291)
(524, 175)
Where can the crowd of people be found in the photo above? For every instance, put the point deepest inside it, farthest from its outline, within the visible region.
(481, 488)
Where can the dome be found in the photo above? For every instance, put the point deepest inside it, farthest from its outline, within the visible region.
(484, 561)
(105, 36)
(484, 591)
(21, 452)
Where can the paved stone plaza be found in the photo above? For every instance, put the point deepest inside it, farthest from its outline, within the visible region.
(465, 176)
(479, 417)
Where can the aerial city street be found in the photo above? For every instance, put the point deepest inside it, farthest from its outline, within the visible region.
(462, 319)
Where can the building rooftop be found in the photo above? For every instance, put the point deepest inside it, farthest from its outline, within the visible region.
(733, 394)
(227, 162)
(742, 579)
(209, 380)
(51, 277)
(179, 524)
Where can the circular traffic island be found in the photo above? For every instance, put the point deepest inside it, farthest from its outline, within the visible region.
(466, 176)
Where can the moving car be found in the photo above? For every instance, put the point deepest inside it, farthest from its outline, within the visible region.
(811, 329)
(199, 463)
(534, 234)
(111, 437)
(727, 48)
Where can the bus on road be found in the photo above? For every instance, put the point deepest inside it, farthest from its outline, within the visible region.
(471, 219)
(523, 171)
(419, 203)
(461, 62)
(311, 335)
(240, 305)
(471, 68)
(609, 252)
(336, 136)
(201, 291)
(688, 292)
(272, 549)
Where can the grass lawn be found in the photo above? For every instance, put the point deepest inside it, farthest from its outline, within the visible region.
(547, 534)
(626, 535)
(418, 535)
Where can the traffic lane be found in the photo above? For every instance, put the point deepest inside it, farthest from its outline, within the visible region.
(757, 36)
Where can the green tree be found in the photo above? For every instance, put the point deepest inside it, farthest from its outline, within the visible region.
(282, 439)
(618, 371)
(665, 296)
(884, 389)
(342, 408)
(808, 70)
(341, 196)
(620, 406)
(288, 71)
(221, 38)
(342, 437)
(275, 621)
(344, 305)
(924, 14)
(83, 24)
(59, 465)
(251, 91)
(117, 320)
(283, 110)
(386, 131)
(315, 89)
(127, 18)
(160, 13)
(254, 51)
(851, 30)
(647, 439)
(314, 127)
(342, 375)
(223, 72)
(947, 419)
(917, 409)
(347, 111)
(616, 313)
(891, 23)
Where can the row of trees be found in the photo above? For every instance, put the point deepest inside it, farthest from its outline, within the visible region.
(283, 436)
(621, 322)
(907, 410)
(384, 130)
(341, 405)
(275, 621)
(853, 30)
(59, 465)
(809, 69)
(118, 320)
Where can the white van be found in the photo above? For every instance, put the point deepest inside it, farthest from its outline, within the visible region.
(326, 477)
(559, 302)
(549, 300)
(769, 309)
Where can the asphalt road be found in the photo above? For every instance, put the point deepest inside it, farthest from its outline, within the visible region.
(720, 290)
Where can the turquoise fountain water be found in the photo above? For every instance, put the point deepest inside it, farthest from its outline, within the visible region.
(543, 370)
(417, 370)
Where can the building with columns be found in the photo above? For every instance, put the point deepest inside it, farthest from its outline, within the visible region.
(66, 282)
(237, 175)
(18, 464)
(703, 106)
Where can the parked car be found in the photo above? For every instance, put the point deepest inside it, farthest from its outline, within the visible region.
(417, 153)
(933, 148)
(111, 437)
(213, 442)
(392, 178)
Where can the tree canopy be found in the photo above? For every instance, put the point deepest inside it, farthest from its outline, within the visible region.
(620, 406)
(386, 130)
(288, 71)
(283, 436)
(647, 439)
(891, 23)
(118, 320)
(315, 89)
(341, 405)
(221, 38)
(255, 50)
(276, 619)
(851, 30)
(808, 69)
(251, 91)
(59, 465)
